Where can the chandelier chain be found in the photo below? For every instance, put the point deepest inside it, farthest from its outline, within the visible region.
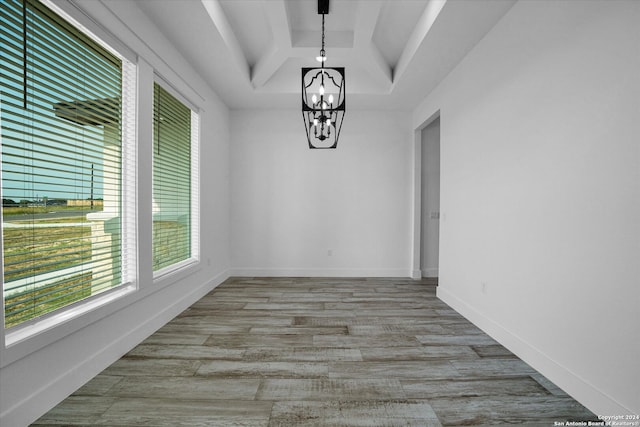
(323, 32)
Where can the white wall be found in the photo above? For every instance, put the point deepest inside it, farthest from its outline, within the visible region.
(540, 193)
(343, 212)
(41, 371)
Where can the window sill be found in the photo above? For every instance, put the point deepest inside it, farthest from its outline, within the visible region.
(32, 336)
(176, 271)
(29, 338)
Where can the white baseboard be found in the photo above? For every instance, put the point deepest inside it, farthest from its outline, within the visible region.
(48, 396)
(318, 272)
(577, 387)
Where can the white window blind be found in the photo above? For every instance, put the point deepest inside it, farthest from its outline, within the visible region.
(67, 122)
(175, 183)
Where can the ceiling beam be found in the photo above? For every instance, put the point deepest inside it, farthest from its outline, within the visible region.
(418, 35)
(367, 52)
(224, 28)
(278, 52)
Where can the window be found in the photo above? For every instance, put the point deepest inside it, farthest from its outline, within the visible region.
(68, 157)
(175, 182)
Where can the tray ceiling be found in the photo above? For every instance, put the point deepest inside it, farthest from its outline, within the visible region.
(395, 51)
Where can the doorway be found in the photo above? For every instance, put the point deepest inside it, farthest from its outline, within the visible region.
(430, 197)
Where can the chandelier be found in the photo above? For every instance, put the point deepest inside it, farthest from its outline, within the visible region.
(323, 97)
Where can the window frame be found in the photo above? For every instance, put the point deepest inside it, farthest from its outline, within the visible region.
(36, 333)
(194, 258)
(149, 66)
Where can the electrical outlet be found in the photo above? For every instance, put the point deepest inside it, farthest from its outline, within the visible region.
(484, 287)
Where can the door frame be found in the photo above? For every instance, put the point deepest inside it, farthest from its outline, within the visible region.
(416, 259)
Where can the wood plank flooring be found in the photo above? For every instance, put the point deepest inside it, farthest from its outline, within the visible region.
(318, 352)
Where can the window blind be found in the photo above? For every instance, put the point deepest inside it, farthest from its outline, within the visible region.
(61, 136)
(173, 202)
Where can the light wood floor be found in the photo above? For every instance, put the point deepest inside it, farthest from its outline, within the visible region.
(318, 352)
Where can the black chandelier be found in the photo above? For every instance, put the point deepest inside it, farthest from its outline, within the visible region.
(323, 97)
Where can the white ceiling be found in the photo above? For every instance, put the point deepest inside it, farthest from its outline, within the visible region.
(394, 51)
